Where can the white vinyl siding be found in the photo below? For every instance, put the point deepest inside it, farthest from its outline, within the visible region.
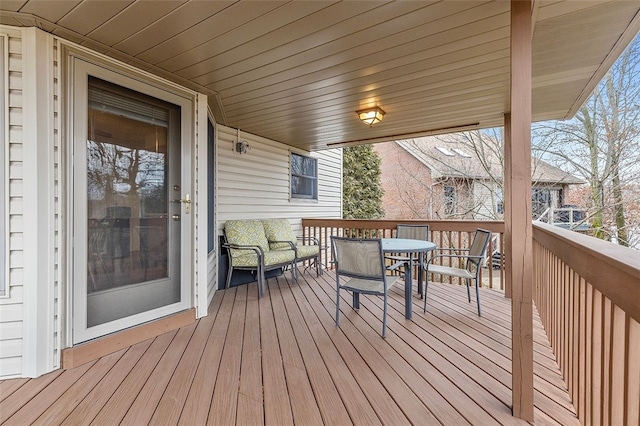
(484, 200)
(256, 184)
(11, 307)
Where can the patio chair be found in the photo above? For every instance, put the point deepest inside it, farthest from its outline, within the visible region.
(472, 259)
(361, 260)
(249, 250)
(281, 237)
(414, 232)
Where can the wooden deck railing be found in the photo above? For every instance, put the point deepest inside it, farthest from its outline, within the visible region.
(587, 292)
(445, 233)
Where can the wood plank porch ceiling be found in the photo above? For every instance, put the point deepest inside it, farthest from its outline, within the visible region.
(296, 72)
(281, 360)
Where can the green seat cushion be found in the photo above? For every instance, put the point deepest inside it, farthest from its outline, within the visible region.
(307, 251)
(279, 230)
(276, 257)
(249, 258)
(245, 232)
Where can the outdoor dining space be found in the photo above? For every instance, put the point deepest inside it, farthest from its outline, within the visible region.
(280, 359)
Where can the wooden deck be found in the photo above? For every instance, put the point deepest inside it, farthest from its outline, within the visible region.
(280, 360)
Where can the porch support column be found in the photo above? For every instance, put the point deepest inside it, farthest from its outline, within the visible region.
(507, 204)
(518, 217)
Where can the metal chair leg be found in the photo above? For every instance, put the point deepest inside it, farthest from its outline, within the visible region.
(338, 307)
(229, 273)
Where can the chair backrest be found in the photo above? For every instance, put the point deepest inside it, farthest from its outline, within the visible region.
(478, 246)
(358, 257)
(245, 232)
(414, 232)
(279, 230)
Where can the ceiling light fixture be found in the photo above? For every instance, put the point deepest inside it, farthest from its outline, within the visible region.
(370, 116)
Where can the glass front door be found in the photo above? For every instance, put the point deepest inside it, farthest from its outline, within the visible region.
(128, 210)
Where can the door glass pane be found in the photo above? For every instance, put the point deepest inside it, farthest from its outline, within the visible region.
(128, 229)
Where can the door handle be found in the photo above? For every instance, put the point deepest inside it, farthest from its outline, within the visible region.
(187, 202)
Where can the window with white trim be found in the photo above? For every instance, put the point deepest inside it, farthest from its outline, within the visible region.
(304, 177)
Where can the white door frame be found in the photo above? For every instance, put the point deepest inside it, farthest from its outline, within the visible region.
(79, 67)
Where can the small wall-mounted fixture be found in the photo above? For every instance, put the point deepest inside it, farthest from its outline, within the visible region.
(371, 116)
(242, 147)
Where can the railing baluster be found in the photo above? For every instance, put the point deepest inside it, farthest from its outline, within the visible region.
(596, 341)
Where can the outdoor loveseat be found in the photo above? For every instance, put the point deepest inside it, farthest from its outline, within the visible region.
(265, 245)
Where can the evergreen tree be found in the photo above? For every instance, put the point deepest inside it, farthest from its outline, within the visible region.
(362, 191)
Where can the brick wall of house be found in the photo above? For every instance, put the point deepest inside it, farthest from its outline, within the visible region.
(410, 191)
(407, 183)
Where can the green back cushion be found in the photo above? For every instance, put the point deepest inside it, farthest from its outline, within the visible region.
(245, 232)
(279, 230)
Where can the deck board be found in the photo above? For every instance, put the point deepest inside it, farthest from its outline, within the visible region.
(75, 394)
(24, 393)
(409, 391)
(250, 402)
(197, 406)
(173, 398)
(329, 403)
(277, 357)
(30, 412)
(302, 400)
(224, 403)
(109, 384)
(280, 360)
(118, 405)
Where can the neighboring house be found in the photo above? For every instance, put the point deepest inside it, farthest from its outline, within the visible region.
(457, 176)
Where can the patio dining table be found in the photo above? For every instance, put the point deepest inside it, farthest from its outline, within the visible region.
(404, 245)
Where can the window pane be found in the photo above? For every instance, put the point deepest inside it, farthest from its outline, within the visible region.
(302, 186)
(296, 164)
(309, 167)
(449, 200)
(127, 188)
(304, 176)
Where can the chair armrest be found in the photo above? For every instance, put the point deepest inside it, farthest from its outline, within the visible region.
(396, 265)
(293, 246)
(309, 239)
(453, 256)
(452, 250)
(256, 249)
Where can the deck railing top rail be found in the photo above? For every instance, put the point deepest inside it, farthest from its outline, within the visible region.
(436, 225)
(612, 269)
(447, 234)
